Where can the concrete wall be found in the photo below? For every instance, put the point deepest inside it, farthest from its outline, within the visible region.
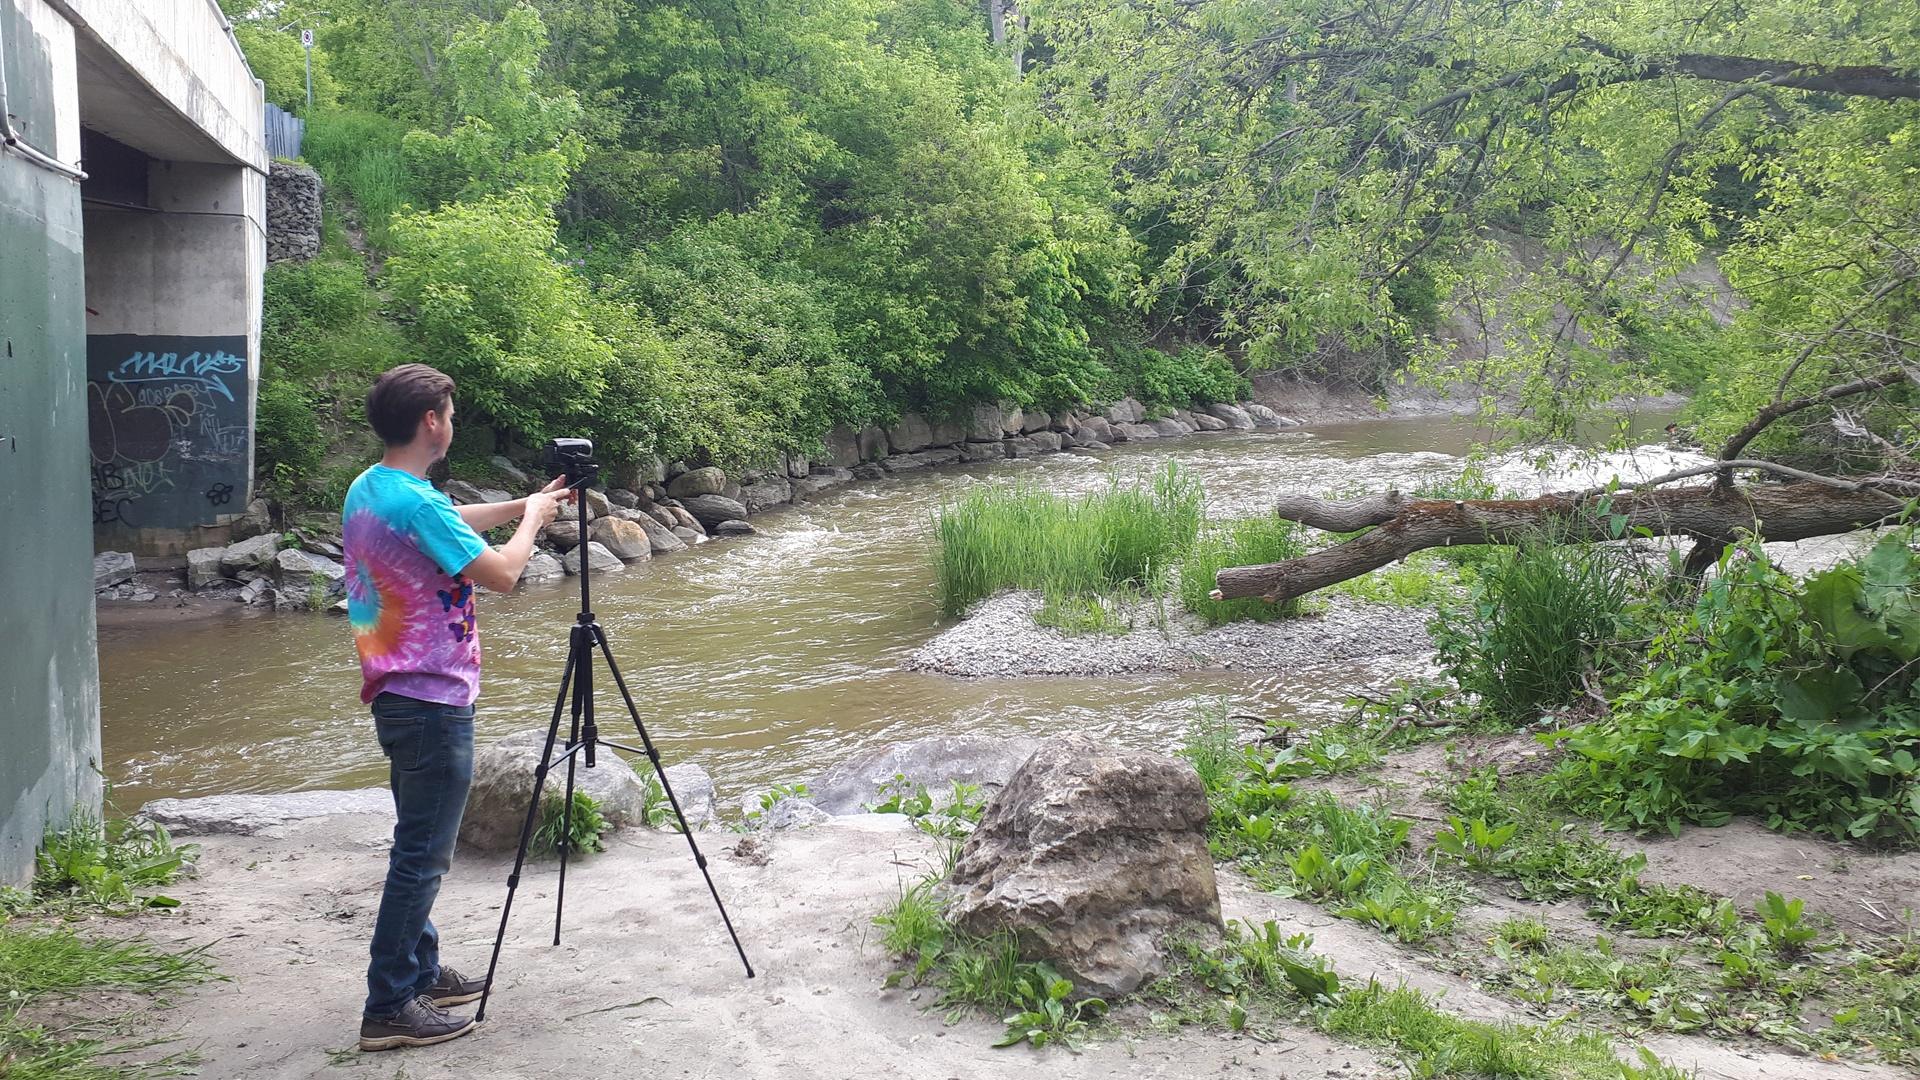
(175, 219)
(49, 690)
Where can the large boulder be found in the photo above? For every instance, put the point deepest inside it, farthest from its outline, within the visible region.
(766, 493)
(1134, 432)
(1033, 420)
(982, 451)
(820, 478)
(949, 432)
(563, 534)
(873, 443)
(625, 539)
(599, 559)
(1264, 417)
(1012, 418)
(203, 568)
(1171, 427)
(711, 510)
(1021, 446)
(111, 568)
(840, 449)
(986, 424)
(693, 787)
(513, 473)
(1126, 411)
(707, 481)
(301, 575)
(935, 762)
(1090, 857)
(466, 494)
(945, 455)
(910, 433)
(1208, 422)
(543, 567)
(684, 520)
(1233, 416)
(659, 535)
(503, 782)
(250, 554)
(1095, 428)
(256, 521)
(1046, 442)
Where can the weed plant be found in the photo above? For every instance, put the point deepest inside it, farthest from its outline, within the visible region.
(39, 964)
(114, 865)
(360, 153)
(1538, 616)
(584, 826)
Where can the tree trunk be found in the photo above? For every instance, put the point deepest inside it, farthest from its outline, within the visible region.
(1711, 514)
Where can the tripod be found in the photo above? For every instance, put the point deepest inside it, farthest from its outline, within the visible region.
(583, 737)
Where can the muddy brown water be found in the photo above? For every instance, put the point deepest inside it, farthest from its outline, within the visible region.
(766, 659)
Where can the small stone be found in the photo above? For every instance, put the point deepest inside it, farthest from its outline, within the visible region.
(734, 528)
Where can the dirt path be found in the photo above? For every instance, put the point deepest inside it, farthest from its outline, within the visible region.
(645, 983)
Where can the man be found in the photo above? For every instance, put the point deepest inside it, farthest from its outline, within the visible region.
(412, 560)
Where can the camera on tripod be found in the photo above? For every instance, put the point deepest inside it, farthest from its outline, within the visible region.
(572, 458)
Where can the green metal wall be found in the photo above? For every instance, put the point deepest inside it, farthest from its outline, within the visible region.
(49, 684)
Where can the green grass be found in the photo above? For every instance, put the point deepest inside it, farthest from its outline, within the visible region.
(1123, 538)
(1247, 542)
(40, 965)
(360, 152)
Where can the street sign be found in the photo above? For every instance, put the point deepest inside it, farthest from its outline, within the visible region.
(306, 38)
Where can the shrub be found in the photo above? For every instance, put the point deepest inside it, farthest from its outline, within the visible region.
(582, 828)
(1192, 376)
(1247, 542)
(1538, 615)
(1794, 703)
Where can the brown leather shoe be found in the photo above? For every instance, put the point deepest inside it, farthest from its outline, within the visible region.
(419, 1023)
(453, 988)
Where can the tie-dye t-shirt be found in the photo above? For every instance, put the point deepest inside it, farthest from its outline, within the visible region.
(410, 605)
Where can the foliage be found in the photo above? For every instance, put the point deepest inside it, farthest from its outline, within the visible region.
(1048, 1014)
(1538, 616)
(1795, 703)
(278, 60)
(580, 830)
(1246, 542)
(995, 537)
(1162, 380)
(113, 865)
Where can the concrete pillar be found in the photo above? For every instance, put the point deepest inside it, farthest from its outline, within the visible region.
(49, 689)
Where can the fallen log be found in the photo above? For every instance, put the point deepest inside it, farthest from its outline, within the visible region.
(1711, 514)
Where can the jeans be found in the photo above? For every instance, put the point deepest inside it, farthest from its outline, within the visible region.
(429, 750)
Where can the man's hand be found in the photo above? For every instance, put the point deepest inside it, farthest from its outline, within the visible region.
(543, 506)
(557, 487)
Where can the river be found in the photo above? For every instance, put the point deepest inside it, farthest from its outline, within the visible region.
(765, 658)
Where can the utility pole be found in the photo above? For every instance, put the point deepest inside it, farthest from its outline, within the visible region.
(306, 42)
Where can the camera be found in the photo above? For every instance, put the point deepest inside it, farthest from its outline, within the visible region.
(572, 458)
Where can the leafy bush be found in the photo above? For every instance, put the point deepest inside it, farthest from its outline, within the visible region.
(1794, 703)
(1538, 615)
(108, 864)
(1247, 542)
(1192, 376)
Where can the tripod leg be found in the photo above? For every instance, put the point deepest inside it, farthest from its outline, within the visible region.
(653, 755)
(582, 706)
(574, 655)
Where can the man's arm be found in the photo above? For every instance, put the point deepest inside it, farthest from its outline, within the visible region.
(483, 516)
(499, 569)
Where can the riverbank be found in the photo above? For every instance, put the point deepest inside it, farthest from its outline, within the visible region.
(646, 977)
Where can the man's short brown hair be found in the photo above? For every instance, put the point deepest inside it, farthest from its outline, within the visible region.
(401, 396)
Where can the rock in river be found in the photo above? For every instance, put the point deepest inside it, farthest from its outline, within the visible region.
(706, 481)
(599, 559)
(1090, 856)
(711, 510)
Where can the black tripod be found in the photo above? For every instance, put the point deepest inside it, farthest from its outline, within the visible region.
(582, 738)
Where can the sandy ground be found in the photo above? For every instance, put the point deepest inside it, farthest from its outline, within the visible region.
(647, 983)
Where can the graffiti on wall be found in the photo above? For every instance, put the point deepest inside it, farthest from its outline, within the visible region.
(167, 426)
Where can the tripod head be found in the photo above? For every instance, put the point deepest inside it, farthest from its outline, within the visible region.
(573, 458)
